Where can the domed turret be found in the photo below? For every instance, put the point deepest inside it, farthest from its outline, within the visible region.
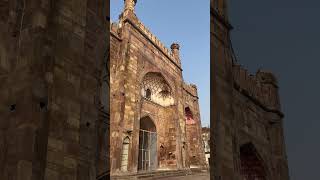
(267, 77)
(175, 50)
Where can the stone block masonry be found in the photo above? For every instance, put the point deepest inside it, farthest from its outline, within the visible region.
(51, 68)
(149, 130)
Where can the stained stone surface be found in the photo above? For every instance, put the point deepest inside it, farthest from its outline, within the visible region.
(246, 129)
(52, 60)
(146, 81)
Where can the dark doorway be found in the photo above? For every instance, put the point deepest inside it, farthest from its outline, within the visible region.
(252, 167)
(148, 157)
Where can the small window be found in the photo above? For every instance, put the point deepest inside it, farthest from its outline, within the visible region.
(189, 116)
(148, 94)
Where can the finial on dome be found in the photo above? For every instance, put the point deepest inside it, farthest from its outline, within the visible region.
(175, 46)
(129, 4)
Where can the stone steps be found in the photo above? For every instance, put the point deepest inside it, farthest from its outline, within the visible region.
(198, 170)
(153, 175)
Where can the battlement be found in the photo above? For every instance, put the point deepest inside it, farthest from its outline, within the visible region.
(114, 27)
(131, 17)
(172, 54)
(267, 77)
(191, 89)
(155, 40)
(260, 87)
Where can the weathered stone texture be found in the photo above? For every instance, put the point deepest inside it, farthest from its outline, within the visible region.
(139, 58)
(247, 131)
(52, 55)
(206, 143)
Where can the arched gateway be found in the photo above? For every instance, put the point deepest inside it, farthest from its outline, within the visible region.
(148, 157)
(252, 166)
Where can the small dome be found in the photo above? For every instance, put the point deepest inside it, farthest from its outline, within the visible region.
(267, 77)
(175, 46)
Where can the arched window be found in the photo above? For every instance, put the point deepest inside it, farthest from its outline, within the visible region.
(148, 94)
(125, 154)
(156, 89)
(189, 116)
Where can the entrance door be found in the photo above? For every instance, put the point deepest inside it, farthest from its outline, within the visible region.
(147, 146)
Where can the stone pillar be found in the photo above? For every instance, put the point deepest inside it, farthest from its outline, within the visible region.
(175, 51)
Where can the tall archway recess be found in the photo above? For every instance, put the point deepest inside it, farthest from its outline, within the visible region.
(148, 157)
(155, 88)
(252, 167)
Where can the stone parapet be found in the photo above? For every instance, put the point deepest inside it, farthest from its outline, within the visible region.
(154, 39)
(132, 18)
(191, 89)
(261, 87)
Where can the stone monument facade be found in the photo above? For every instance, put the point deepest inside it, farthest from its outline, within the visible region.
(155, 118)
(247, 122)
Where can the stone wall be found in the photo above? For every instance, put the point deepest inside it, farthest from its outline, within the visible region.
(193, 130)
(51, 63)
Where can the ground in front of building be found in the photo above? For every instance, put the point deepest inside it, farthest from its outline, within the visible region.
(202, 176)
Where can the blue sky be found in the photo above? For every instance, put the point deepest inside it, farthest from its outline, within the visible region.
(176, 21)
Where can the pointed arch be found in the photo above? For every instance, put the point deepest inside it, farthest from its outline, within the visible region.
(125, 154)
(148, 156)
(147, 124)
(252, 165)
(189, 116)
(155, 87)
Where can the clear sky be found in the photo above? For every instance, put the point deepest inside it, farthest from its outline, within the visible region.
(283, 36)
(176, 21)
